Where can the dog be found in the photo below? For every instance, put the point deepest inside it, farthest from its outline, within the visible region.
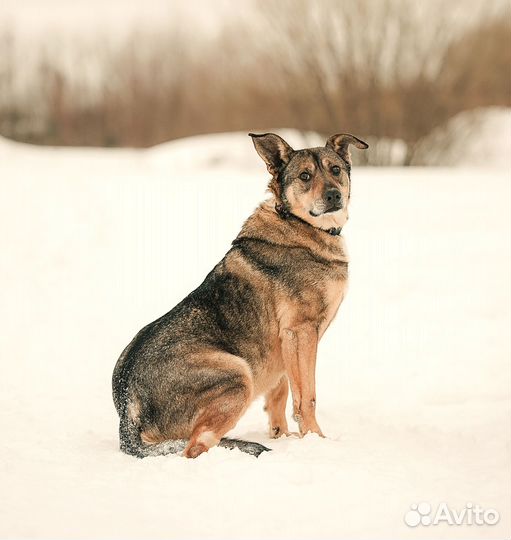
(253, 326)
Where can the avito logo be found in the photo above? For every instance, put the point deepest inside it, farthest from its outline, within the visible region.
(472, 514)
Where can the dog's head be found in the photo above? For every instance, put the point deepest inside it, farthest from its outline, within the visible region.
(313, 184)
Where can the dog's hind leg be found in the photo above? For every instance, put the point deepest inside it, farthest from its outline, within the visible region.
(219, 417)
(220, 412)
(217, 400)
(275, 406)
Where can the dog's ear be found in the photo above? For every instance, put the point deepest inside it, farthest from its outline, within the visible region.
(274, 150)
(340, 144)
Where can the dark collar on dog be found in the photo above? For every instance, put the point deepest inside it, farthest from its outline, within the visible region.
(334, 231)
(285, 214)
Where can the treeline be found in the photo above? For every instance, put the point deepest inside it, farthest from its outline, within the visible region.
(392, 69)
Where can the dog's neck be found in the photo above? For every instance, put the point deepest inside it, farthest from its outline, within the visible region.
(266, 225)
(286, 214)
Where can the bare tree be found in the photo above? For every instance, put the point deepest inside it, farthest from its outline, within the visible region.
(388, 70)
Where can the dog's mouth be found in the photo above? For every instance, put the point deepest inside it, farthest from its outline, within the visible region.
(329, 211)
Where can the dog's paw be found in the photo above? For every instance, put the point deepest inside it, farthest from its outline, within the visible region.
(316, 429)
(277, 432)
(195, 451)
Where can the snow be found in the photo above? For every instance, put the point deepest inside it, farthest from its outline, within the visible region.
(475, 138)
(413, 376)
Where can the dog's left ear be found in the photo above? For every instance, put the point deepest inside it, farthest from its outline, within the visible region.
(340, 144)
(274, 151)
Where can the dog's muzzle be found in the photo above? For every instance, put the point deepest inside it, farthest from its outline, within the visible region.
(333, 200)
(330, 202)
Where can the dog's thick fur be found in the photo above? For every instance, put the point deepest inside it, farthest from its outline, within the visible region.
(252, 328)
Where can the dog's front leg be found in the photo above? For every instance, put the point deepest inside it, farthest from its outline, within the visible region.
(275, 406)
(299, 348)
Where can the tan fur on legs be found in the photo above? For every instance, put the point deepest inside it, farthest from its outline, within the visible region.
(299, 349)
(275, 406)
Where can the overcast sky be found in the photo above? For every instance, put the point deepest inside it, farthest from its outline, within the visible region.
(86, 17)
(30, 17)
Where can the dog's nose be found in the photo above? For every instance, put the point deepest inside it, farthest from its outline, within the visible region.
(333, 197)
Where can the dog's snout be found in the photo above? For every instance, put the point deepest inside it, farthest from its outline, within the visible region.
(333, 198)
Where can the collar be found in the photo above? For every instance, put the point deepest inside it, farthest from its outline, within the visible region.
(286, 214)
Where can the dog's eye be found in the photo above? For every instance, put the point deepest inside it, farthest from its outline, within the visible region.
(305, 176)
(336, 170)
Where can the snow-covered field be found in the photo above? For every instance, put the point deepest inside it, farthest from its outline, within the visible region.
(414, 375)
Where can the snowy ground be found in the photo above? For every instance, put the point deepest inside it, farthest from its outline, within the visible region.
(414, 375)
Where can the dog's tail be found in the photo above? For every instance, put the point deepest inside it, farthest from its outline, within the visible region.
(131, 443)
(252, 448)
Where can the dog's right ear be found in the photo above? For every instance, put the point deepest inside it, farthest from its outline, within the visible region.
(274, 150)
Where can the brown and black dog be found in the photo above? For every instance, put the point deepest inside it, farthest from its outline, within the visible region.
(252, 327)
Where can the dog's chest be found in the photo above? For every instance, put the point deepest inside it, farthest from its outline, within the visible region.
(333, 295)
(316, 299)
